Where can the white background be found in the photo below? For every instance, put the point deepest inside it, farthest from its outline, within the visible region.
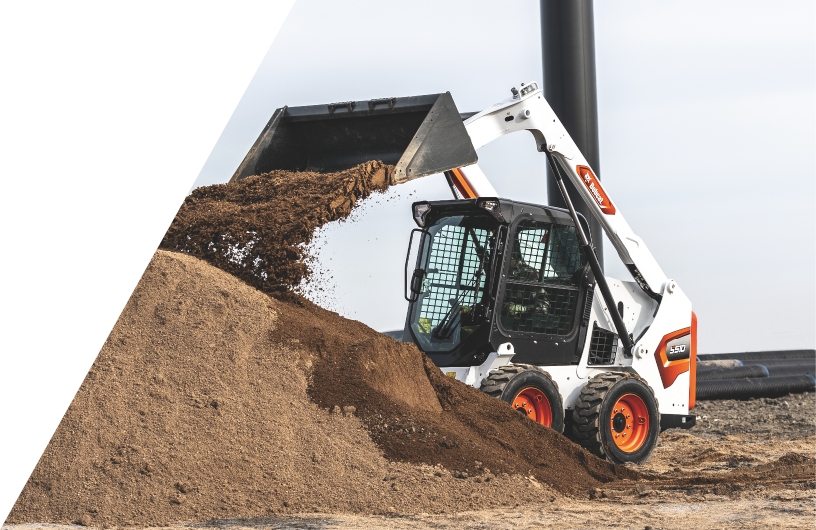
(107, 114)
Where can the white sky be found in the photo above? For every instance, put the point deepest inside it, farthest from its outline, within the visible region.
(707, 141)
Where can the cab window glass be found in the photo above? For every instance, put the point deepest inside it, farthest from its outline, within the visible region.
(541, 293)
(545, 252)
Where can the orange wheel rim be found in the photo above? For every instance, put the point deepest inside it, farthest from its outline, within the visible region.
(629, 423)
(533, 403)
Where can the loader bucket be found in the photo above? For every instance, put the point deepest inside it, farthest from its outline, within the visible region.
(420, 135)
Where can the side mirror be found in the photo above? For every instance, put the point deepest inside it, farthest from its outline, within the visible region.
(419, 274)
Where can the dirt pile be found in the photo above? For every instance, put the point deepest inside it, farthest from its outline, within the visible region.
(256, 228)
(211, 399)
(416, 414)
(195, 410)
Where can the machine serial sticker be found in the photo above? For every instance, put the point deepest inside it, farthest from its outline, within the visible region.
(596, 190)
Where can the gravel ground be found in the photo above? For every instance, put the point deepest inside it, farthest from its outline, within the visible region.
(791, 416)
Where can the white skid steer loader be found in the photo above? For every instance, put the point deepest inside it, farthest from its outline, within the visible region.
(506, 296)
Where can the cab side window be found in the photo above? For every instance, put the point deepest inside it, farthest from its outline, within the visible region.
(541, 293)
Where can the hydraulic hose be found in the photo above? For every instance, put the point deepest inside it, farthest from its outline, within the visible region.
(755, 387)
(754, 355)
(737, 372)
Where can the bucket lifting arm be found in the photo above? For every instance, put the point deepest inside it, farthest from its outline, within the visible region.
(528, 110)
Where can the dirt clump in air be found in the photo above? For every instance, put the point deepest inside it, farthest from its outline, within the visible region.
(257, 228)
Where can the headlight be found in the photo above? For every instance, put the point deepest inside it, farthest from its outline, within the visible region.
(492, 206)
(532, 87)
(421, 210)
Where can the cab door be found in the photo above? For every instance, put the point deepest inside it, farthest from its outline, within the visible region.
(542, 296)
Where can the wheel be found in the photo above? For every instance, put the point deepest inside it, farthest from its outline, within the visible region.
(616, 417)
(530, 391)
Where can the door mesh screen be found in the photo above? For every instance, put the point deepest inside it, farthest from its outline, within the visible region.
(537, 309)
(541, 294)
(451, 275)
(546, 253)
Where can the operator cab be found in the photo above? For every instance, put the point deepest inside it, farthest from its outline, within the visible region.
(491, 271)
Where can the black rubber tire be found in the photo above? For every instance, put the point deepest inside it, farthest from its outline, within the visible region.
(594, 404)
(506, 382)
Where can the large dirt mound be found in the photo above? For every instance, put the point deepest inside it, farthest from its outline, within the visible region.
(257, 228)
(211, 399)
(195, 410)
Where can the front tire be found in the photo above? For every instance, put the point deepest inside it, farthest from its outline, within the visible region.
(616, 417)
(530, 391)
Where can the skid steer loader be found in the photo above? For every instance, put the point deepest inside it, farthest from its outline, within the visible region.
(507, 296)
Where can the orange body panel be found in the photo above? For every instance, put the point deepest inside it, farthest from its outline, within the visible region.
(693, 363)
(669, 370)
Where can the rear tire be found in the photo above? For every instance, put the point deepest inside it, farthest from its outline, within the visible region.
(530, 391)
(616, 417)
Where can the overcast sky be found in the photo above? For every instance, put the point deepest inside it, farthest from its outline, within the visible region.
(706, 138)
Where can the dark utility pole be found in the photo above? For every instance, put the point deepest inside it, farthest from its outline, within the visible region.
(568, 51)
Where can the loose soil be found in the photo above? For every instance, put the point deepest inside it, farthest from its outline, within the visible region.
(212, 400)
(258, 228)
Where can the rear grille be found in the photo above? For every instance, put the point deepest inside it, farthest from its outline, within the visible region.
(588, 306)
(602, 347)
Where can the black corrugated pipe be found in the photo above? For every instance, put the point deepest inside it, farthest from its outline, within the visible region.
(756, 388)
(703, 366)
(568, 53)
(737, 372)
(791, 369)
(753, 355)
(782, 362)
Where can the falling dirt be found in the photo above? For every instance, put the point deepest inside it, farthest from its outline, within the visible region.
(257, 228)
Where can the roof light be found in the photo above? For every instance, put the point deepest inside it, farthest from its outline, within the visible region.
(492, 206)
(421, 210)
(532, 87)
